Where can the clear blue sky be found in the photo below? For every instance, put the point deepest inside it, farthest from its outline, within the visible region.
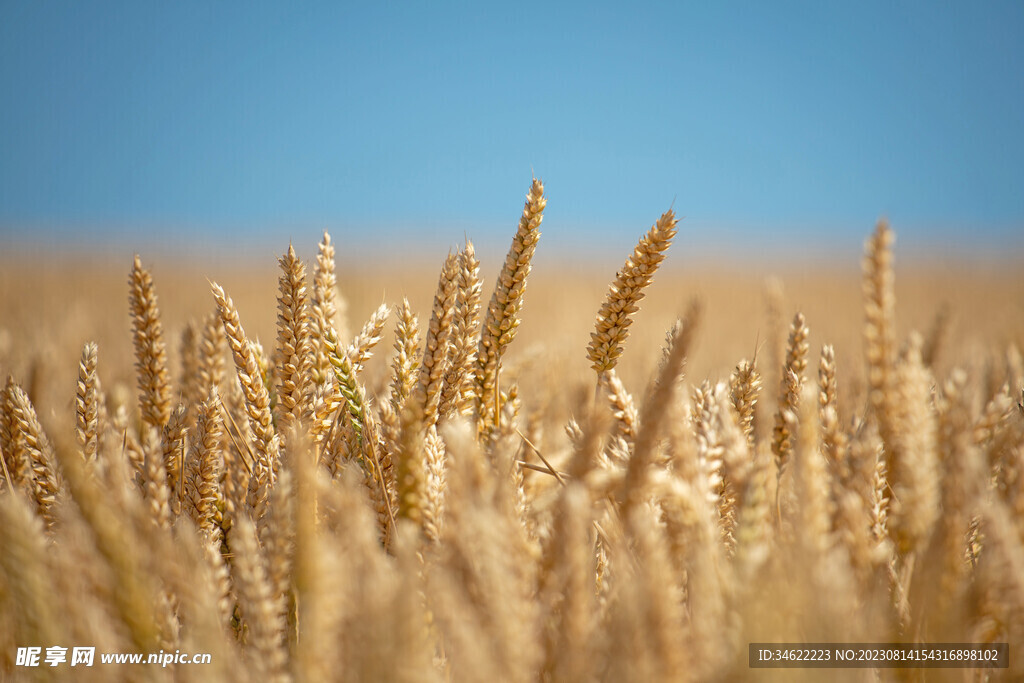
(427, 118)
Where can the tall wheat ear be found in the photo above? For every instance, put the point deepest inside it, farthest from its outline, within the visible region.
(150, 350)
(625, 293)
(502, 319)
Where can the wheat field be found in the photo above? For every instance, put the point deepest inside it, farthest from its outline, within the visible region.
(313, 469)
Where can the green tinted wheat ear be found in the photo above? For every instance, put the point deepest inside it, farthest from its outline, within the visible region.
(295, 352)
(87, 403)
(502, 319)
(150, 352)
(373, 459)
(624, 295)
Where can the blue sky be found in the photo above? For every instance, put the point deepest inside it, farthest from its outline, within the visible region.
(762, 121)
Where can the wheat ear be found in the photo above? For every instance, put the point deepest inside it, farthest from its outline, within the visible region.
(745, 388)
(623, 408)
(435, 353)
(257, 603)
(625, 293)
(150, 351)
(325, 311)
(375, 465)
(206, 455)
(789, 392)
(295, 350)
(14, 466)
(833, 439)
(456, 395)
(913, 463)
(502, 319)
(36, 450)
(257, 401)
(360, 349)
(405, 364)
(87, 429)
(328, 396)
(879, 326)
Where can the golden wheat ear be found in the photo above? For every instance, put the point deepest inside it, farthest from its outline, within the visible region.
(458, 394)
(295, 354)
(625, 293)
(502, 319)
(879, 324)
(150, 350)
(789, 392)
(87, 428)
(435, 353)
(745, 389)
(405, 364)
(324, 309)
(256, 399)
